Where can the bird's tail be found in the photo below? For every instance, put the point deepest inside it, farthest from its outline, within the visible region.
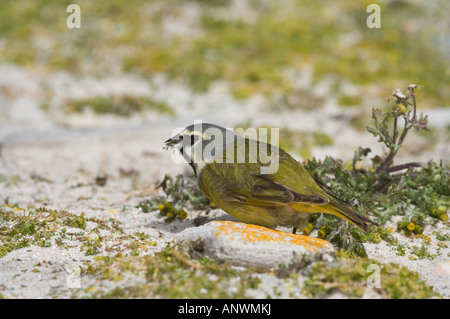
(345, 211)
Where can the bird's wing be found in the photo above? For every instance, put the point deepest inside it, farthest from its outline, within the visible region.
(244, 183)
(265, 192)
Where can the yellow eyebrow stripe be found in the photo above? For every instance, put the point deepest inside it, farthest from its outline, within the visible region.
(195, 133)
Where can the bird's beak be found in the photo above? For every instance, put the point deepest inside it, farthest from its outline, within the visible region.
(173, 141)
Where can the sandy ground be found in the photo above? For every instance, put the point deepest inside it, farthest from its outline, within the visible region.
(56, 159)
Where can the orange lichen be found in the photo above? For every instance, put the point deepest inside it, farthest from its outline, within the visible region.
(253, 234)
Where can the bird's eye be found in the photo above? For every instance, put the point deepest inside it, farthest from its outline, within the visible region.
(194, 139)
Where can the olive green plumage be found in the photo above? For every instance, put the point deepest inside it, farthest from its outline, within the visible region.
(241, 181)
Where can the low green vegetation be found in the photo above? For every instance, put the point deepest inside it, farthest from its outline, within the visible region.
(205, 278)
(118, 257)
(124, 105)
(260, 52)
(179, 193)
(121, 105)
(43, 227)
(188, 278)
(417, 191)
(352, 276)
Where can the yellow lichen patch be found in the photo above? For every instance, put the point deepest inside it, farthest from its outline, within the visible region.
(257, 234)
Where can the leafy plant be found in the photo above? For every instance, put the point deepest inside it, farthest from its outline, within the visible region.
(179, 193)
(420, 193)
(394, 140)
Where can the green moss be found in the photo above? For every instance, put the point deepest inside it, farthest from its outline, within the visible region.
(124, 105)
(172, 273)
(76, 221)
(11, 180)
(252, 55)
(91, 246)
(352, 277)
(347, 100)
(44, 227)
(422, 252)
(401, 283)
(188, 278)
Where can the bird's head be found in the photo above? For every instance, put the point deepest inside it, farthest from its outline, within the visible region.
(201, 143)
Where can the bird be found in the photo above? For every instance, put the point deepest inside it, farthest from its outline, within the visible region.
(257, 182)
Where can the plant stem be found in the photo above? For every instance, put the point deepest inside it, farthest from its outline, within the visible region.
(384, 166)
(411, 88)
(403, 166)
(405, 131)
(395, 133)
